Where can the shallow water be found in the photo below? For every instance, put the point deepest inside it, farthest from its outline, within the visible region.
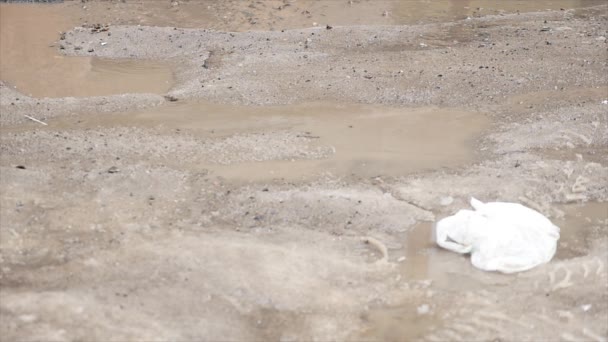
(29, 59)
(421, 260)
(580, 226)
(445, 10)
(236, 15)
(29, 34)
(368, 140)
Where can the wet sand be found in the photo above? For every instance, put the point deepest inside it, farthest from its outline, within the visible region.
(237, 170)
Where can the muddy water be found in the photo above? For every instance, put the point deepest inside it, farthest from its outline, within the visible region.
(422, 261)
(580, 226)
(30, 62)
(236, 15)
(401, 323)
(367, 140)
(445, 10)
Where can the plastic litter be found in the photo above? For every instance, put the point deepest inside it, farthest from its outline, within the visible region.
(504, 237)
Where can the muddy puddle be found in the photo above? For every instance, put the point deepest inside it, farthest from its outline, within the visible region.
(239, 15)
(580, 226)
(422, 263)
(400, 323)
(358, 140)
(416, 11)
(30, 61)
(29, 34)
(421, 259)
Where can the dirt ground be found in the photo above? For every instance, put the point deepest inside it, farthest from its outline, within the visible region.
(271, 170)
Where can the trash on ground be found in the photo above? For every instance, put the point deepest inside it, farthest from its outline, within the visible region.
(504, 237)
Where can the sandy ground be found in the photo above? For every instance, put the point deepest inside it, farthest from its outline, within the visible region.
(249, 192)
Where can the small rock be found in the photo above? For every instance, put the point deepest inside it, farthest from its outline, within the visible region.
(21, 167)
(113, 169)
(171, 98)
(586, 307)
(329, 27)
(91, 50)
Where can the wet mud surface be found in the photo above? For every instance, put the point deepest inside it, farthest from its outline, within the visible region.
(243, 171)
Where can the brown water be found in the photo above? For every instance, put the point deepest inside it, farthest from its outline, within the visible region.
(580, 226)
(367, 140)
(237, 15)
(29, 57)
(423, 261)
(445, 10)
(30, 62)
(400, 323)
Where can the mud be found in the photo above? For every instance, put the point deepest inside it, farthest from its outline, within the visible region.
(240, 171)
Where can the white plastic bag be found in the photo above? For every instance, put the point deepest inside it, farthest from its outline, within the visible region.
(504, 237)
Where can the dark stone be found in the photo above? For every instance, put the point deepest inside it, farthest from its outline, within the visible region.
(113, 169)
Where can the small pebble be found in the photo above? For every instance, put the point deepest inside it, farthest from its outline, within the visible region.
(113, 169)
